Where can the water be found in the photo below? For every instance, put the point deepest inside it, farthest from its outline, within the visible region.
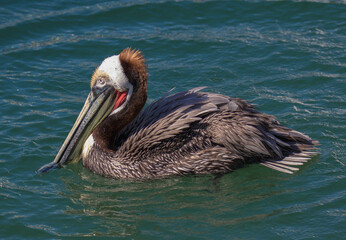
(287, 57)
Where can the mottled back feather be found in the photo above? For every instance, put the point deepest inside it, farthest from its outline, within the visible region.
(197, 132)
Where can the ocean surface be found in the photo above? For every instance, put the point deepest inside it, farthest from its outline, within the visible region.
(286, 57)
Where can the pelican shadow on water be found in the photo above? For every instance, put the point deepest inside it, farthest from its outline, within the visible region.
(192, 132)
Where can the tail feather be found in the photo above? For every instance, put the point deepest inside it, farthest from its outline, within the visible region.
(292, 163)
(294, 159)
(297, 148)
(274, 166)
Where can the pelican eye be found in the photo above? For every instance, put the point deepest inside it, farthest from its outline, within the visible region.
(101, 82)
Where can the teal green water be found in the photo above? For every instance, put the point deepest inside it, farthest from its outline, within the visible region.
(287, 57)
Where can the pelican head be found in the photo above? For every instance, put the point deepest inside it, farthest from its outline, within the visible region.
(118, 88)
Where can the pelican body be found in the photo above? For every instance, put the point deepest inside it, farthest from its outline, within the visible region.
(190, 132)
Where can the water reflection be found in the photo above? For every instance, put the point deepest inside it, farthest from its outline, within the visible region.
(125, 207)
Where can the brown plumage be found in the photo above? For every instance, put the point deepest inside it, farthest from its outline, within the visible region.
(190, 132)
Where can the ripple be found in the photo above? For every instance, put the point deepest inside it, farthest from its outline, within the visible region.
(43, 15)
(287, 57)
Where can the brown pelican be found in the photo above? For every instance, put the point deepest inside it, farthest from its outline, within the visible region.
(190, 132)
